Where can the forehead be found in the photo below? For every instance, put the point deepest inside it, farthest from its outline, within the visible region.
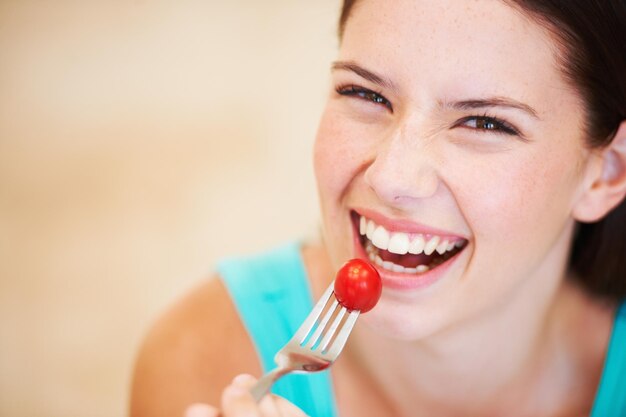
(468, 46)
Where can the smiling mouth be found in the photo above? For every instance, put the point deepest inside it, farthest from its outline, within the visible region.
(403, 252)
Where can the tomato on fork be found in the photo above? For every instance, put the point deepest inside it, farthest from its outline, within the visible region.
(358, 285)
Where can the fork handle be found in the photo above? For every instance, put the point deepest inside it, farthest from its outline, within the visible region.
(264, 383)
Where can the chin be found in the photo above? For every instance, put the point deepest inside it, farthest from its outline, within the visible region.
(404, 322)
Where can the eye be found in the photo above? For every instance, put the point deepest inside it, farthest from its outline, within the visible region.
(488, 124)
(364, 94)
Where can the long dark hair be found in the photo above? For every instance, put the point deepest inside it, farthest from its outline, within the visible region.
(592, 36)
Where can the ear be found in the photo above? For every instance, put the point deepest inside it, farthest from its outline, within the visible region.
(606, 186)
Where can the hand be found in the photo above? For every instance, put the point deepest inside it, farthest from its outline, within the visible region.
(238, 402)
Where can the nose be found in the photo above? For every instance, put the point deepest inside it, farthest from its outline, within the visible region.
(404, 169)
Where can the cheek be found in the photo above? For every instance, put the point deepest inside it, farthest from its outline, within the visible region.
(338, 155)
(520, 199)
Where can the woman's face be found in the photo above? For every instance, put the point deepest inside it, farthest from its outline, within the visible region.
(449, 127)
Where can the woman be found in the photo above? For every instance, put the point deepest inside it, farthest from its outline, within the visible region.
(490, 131)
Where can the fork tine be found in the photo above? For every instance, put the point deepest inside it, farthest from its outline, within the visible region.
(295, 356)
(320, 328)
(342, 336)
(331, 331)
(312, 318)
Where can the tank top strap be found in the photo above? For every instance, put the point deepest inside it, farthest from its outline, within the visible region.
(272, 296)
(611, 396)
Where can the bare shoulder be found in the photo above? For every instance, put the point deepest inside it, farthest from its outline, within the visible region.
(191, 353)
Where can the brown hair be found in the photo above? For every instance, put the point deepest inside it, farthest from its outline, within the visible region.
(592, 36)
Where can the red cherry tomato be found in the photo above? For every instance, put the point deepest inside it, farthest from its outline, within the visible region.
(358, 285)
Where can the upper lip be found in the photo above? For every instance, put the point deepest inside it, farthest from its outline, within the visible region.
(403, 225)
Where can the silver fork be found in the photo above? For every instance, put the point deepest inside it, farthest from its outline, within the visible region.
(305, 352)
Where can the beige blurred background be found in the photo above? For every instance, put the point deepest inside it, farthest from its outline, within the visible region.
(140, 141)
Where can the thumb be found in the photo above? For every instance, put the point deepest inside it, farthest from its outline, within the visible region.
(201, 410)
(285, 408)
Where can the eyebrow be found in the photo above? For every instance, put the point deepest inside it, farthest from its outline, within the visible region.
(491, 102)
(363, 73)
(470, 104)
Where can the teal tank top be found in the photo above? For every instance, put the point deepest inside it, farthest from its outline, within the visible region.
(272, 296)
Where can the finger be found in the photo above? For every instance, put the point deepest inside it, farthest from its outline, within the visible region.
(286, 408)
(268, 407)
(237, 400)
(244, 381)
(201, 410)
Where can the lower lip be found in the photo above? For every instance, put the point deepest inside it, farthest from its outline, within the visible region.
(400, 281)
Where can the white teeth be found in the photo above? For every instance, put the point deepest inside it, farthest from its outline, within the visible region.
(442, 247)
(380, 238)
(399, 243)
(417, 245)
(369, 231)
(431, 245)
(390, 266)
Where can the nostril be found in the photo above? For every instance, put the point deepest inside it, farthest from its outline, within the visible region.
(401, 183)
(401, 199)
